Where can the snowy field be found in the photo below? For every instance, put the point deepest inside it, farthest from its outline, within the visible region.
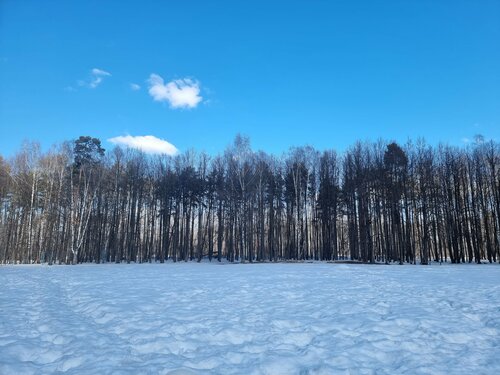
(250, 319)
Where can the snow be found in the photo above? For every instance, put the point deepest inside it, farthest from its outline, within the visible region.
(191, 318)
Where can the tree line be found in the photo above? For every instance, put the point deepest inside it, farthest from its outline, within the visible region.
(375, 202)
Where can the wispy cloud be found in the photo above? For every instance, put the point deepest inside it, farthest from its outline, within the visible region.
(146, 143)
(96, 77)
(179, 93)
(134, 87)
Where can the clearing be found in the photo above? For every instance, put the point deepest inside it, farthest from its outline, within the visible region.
(250, 318)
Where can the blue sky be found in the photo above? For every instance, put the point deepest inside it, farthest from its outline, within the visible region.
(285, 73)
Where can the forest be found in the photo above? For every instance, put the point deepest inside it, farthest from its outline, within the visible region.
(377, 202)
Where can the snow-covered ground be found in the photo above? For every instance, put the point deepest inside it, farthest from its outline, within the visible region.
(250, 319)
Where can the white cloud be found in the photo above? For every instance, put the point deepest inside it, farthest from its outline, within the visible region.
(100, 72)
(146, 143)
(135, 87)
(179, 93)
(96, 77)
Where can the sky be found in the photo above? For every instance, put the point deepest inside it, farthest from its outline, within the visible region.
(170, 76)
